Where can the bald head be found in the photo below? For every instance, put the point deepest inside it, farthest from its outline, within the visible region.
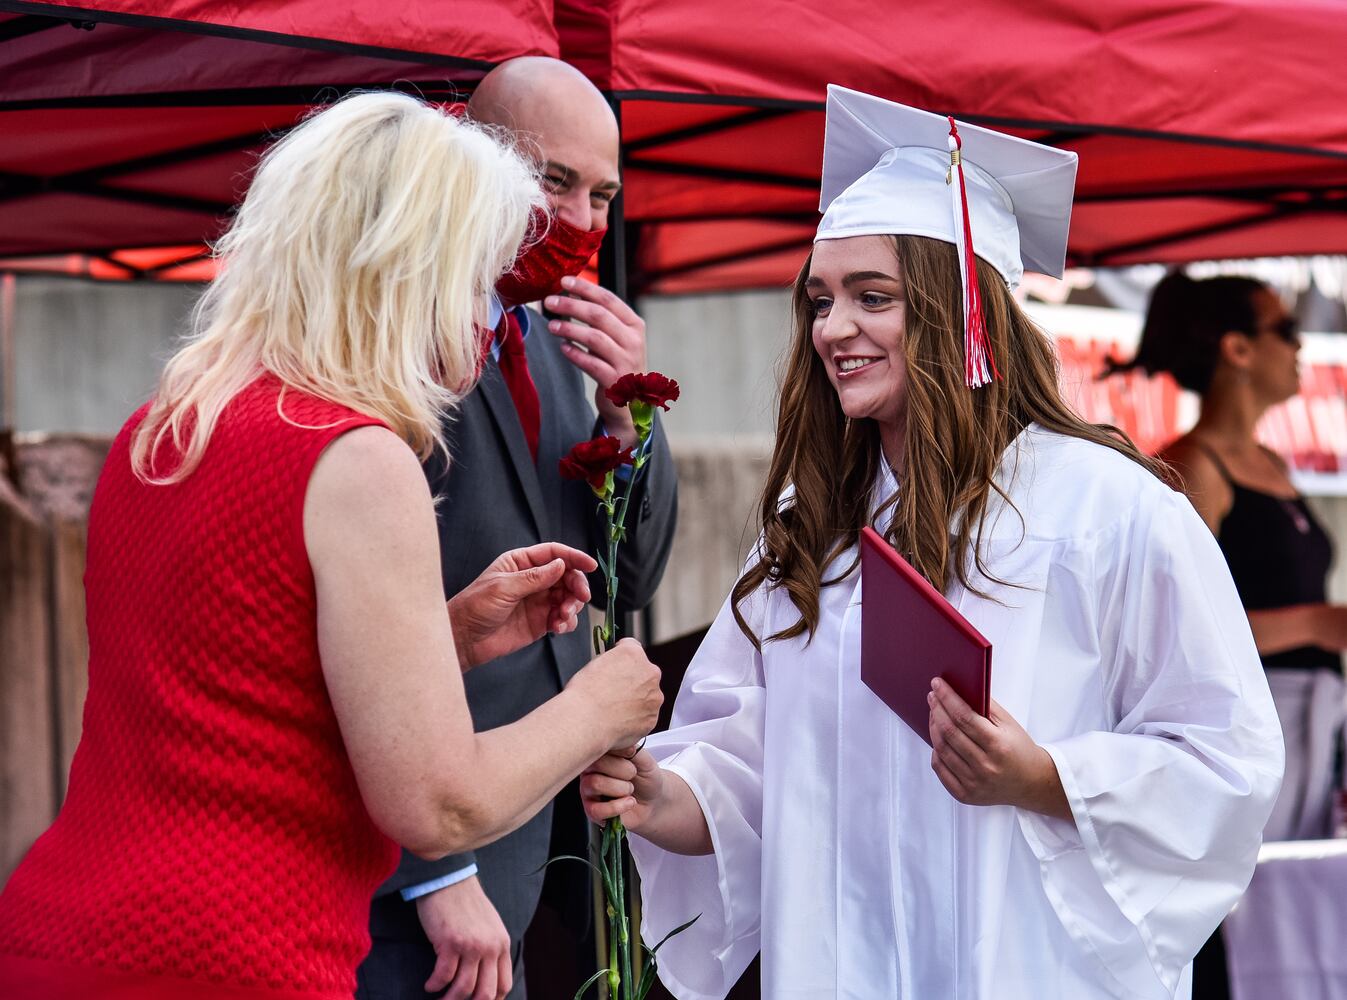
(565, 122)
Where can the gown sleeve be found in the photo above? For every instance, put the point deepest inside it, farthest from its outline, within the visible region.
(715, 743)
(1170, 805)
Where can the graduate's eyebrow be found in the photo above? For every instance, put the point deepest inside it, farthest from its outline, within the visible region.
(855, 277)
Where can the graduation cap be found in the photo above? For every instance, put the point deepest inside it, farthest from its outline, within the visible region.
(892, 169)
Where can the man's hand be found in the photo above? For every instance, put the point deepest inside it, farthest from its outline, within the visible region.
(992, 761)
(519, 597)
(611, 339)
(472, 947)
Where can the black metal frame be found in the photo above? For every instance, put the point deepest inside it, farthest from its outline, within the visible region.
(1277, 212)
(620, 271)
(82, 16)
(91, 182)
(296, 94)
(27, 24)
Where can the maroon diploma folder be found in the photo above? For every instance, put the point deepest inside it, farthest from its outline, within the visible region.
(911, 634)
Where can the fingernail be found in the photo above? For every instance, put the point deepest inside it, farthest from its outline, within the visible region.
(554, 325)
(550, 301)
(935, 684)
(567, 281)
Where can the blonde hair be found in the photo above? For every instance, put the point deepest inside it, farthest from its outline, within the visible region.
(355, 271)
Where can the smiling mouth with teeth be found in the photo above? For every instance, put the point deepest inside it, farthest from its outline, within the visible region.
(852, 364)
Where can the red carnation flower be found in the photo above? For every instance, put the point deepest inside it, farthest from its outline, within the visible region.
(651, 388)
(592, 461)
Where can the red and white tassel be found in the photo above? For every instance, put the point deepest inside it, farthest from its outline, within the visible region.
(979, 365)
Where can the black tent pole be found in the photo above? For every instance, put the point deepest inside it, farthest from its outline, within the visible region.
(613, 253)
(613, 271)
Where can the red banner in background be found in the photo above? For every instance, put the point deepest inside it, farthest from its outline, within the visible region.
(1309, 431)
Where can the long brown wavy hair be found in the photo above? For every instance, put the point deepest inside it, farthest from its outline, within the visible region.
(955, 437)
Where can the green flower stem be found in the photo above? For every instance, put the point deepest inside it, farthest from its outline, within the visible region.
(614, 977)
(623, 926)
(617, 528)
(620, 944)
(637, 953)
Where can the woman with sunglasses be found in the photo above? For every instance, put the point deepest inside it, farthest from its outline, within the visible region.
(1231, 340)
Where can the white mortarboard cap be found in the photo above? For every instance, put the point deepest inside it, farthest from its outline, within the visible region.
(887, 170)
(884, 169)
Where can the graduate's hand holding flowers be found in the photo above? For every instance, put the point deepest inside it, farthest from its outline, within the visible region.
(524, 594)
(991, 761)
(627, 783)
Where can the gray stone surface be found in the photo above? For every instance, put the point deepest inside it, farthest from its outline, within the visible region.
(86, 355)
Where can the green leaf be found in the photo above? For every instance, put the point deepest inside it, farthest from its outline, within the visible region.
(603, 563)
(565, 857)
(609, 883)
(647, 977)
(677, 930)
(590, 982)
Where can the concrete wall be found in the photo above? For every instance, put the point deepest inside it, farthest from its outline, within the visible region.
(86, 355)
(724, 350)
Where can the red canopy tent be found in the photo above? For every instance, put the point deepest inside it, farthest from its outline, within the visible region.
(1207, 128)
(133, 126)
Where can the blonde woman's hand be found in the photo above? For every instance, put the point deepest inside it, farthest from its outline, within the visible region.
(520, 597)
(621, 689)
(990, 761)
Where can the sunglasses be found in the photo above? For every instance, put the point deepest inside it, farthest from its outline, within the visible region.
(1286, 329)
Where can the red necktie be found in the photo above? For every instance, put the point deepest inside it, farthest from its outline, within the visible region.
(514, 366)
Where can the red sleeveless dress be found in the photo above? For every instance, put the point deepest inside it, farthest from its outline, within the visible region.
(213, 843)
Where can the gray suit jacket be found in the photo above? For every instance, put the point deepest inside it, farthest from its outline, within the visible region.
(493, 498)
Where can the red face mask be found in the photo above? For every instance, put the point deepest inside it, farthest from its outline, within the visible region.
(565, 250)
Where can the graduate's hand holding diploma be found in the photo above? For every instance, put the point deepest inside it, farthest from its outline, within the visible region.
(991, 761)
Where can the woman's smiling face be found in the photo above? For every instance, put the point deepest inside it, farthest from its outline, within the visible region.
(856, 290)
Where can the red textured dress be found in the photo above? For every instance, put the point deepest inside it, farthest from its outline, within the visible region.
(213, 843)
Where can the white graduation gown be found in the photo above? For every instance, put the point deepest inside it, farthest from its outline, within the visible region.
(838, 853)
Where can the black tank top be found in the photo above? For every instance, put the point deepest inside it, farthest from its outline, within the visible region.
(1279, 555)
